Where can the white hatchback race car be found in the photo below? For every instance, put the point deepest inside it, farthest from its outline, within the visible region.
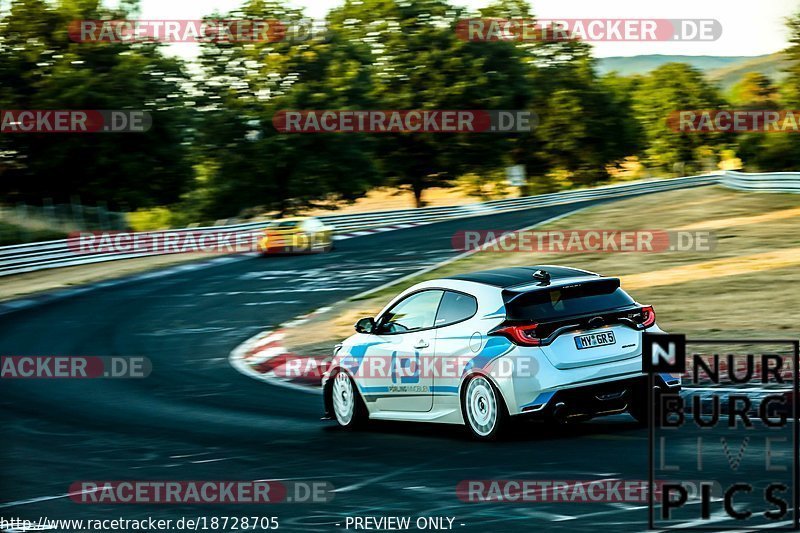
(476, 349)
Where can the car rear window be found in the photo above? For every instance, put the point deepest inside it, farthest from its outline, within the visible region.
(556, 303)
(286, 224)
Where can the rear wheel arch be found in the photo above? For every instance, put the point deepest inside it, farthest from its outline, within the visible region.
(502, 415)
(462, 388)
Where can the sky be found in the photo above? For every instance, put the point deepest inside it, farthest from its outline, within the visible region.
(749, 27)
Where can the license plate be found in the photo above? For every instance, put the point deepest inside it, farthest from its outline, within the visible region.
(593, 340)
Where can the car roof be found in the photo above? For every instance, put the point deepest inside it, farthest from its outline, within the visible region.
(509, 277)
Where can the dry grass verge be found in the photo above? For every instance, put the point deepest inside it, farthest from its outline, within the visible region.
(748, 286)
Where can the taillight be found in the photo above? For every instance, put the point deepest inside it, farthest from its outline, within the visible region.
(648, 316)
(520, 335)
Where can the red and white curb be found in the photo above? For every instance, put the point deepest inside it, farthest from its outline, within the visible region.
(382, 229)
(264, 357)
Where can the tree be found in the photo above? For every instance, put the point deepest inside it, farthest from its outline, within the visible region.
(771, 152)
(246, 86)
(418, 62)
(790, 89)
(661, 93)
(588, 124)
(754, 91)
(40, 68)
(577, 110)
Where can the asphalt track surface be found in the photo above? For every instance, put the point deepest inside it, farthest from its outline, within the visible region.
(196, 418)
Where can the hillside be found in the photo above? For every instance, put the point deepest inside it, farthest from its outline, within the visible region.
(645, 63)
(725, 70)
(771, 65)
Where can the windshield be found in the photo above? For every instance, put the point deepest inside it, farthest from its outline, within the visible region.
(285, 224)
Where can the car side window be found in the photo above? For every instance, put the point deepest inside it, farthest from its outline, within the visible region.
(455, 307)
(418, 311)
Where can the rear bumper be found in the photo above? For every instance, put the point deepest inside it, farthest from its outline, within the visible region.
(293, 243)
(599, 399)
(281, 249)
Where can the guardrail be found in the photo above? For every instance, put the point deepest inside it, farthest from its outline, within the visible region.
(763, 182)
(31, 257)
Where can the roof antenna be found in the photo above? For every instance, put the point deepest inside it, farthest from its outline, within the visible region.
(543, 276)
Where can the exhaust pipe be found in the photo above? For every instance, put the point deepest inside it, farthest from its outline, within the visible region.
(560, 412)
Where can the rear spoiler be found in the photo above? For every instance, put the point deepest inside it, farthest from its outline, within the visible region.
(519, 293)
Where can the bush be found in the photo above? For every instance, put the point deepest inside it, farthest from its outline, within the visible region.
(13, 234)
(150, 219)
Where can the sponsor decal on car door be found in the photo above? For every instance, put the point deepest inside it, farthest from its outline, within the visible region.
(407, 348)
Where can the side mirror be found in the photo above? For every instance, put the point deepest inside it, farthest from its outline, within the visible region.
(365, 325)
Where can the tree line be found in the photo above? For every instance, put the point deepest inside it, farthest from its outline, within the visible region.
(213, 151)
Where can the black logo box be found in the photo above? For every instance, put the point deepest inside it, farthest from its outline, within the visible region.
(663, 353)
(667, 353)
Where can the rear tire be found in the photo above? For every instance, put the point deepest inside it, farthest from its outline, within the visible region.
(639, 408)
(348, 407)
(325, 248)
(483, 409)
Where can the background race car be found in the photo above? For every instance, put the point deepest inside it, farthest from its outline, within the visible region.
(301, 234)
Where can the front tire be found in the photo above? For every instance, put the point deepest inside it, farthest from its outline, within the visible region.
(483, 409)
(348, 408)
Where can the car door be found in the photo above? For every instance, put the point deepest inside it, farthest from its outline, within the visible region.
(313, 229)
(303, 237)
(458, 340)
(406, 348)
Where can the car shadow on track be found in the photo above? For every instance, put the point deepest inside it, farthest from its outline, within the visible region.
(520, 431)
